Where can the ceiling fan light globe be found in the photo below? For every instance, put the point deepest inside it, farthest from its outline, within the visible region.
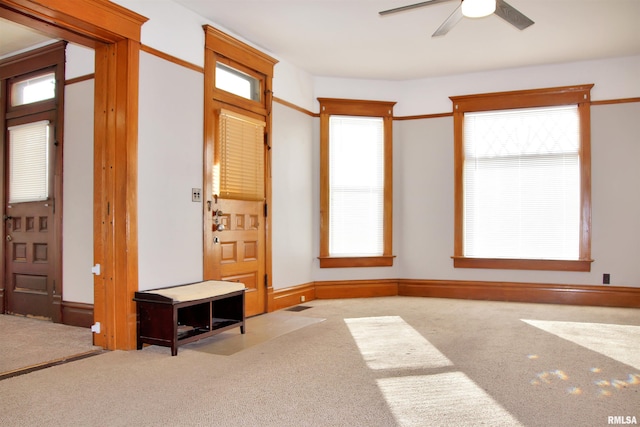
(478, 8)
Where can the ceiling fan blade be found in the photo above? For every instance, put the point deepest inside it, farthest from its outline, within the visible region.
(510, 14)
(449, 23)
(411, 6)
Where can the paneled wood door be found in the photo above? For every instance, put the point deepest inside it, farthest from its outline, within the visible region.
(237, 178)
(32, 122)
(31, 246)
(238, 248)
(30, 252)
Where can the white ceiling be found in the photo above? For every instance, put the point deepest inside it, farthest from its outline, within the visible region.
(15, 38)
(348, 38)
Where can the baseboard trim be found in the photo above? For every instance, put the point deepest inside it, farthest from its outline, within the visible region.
(288, 297)
(606, 296)
(77, 314)
(589, 295)
(356, 289)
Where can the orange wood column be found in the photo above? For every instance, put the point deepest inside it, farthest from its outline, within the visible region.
(115, 200)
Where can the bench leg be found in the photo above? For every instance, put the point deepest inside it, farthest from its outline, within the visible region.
(242, 329)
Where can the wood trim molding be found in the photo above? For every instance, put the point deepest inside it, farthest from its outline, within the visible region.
(170, 58)
(288, 297)
(81, 21)
(80, 79)
(522, 264)
(77, 314)
(295, 107)
(606, 296)
(615, 101)
(439, 115)
(543, 293)
(423, 116)
(356, 289)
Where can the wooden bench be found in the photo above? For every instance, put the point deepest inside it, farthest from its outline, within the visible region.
(174, 316)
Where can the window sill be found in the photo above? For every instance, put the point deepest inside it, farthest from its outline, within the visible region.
(522, 264)
(368, 261)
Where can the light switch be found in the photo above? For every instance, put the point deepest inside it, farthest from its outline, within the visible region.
(196, 195)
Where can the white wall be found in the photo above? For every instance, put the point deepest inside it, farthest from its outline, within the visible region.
(426, 211)
(170, 247)
(80, 61)
(170, 164)
(614, 78)
(292, 199)
(77, 212)
(423, 171)
(615, 148)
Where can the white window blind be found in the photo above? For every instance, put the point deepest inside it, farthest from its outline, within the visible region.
(522, 184)
(240, 174)
(29, 162)
(356, 181)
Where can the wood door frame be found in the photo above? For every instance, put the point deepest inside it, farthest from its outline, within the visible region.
(114, 32)
(22, 65)
(219, 44)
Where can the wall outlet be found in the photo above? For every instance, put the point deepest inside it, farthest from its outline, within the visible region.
(302, 298)
(196, 195)
(606, 279)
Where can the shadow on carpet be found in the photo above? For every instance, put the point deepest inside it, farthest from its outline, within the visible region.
(258, 330)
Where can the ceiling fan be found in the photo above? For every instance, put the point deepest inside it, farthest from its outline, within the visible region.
(471, 9)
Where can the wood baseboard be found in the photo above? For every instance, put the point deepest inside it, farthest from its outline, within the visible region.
(606, 296)
(356, 289)
(590, 295)
(77, 314)
(288, 297)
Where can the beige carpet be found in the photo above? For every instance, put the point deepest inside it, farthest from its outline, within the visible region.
(258, 330)
(28, 342)
(397, 361)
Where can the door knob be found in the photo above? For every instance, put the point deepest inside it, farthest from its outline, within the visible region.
(219, 227)
(9, 238)
(7, 217)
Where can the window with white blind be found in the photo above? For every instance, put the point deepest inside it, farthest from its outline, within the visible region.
(355, 183)
(523, 181)
(356, 186)
(239, 166)
(29, 162)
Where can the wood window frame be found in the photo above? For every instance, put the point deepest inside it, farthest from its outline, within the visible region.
(352, 107)
(567, 95)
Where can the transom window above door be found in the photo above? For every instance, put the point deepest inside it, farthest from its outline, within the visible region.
(237, 82)
(33, 89)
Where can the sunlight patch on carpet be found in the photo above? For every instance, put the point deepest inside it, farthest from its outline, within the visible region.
(619, 342)
(451, 399)
(389, 342)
